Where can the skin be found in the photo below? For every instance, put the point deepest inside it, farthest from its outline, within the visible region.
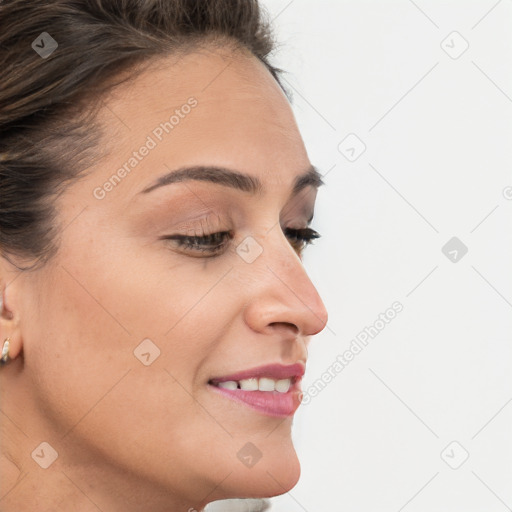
(154, 438)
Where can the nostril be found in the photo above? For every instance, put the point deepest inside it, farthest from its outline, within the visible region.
(295, 328)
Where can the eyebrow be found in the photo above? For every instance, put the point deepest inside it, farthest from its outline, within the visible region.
(232, 178)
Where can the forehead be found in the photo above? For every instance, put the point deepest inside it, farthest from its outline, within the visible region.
(241, 119)
(228, 84)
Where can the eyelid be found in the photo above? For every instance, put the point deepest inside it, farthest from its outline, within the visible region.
(207, 224)
(196, 245)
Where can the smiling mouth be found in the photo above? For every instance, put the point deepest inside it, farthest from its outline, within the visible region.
(272, 390)
(264, 384)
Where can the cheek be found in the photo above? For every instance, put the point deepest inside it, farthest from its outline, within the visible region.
(73, 347)
(81, 346)
(103, 403)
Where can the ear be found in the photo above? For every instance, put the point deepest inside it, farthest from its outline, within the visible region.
(9, 311)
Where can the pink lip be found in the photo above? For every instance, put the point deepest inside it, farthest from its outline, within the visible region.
(274, 371)
(270, 403)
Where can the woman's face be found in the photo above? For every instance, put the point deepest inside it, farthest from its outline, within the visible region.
(124, 329)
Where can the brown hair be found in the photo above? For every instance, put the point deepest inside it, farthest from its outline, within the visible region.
(48, 102)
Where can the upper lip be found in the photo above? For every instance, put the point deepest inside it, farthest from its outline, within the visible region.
(274, 371)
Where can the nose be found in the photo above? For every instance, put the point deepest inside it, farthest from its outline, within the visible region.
(282, 292)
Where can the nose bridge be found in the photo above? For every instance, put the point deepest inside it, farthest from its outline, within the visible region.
(285, 293)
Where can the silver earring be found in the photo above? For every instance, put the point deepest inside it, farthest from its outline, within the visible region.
(5, 352)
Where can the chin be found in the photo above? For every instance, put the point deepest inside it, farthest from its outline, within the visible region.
(270, 476)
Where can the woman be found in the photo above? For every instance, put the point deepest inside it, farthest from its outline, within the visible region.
(156, 197)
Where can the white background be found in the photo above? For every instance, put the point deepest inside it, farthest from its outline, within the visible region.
(438, 137)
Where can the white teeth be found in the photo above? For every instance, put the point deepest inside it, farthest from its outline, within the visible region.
(283, 385)
(261, 384)
(229, 384)
(249, 384)
(266, 384)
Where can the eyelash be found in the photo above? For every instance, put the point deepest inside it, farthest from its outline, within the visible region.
(204, 243)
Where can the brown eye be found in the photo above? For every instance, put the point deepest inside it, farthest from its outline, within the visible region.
(214, 243)
(211, 243)
(300, 238)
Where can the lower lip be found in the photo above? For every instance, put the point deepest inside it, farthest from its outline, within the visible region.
(270, 403)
